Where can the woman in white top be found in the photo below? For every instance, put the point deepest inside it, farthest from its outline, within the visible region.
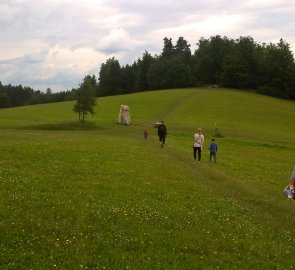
(198, 144)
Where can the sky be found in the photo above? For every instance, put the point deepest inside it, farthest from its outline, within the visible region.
(56, 43)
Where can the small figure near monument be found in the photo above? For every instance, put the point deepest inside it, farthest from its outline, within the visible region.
(145, 134)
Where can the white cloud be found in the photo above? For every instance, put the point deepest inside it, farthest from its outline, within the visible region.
(47, 66)
(55, 43)
(117, 40)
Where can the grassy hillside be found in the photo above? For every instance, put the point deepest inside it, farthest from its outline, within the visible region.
(100, 197)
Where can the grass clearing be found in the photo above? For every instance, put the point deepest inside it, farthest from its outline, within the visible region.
(103, 198)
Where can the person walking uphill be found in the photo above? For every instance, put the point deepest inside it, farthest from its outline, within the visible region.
(198, 145)
(162, 133)
(145, 134)
(213, 150)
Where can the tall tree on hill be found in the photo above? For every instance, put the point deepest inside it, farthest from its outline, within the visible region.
(94, 83)
(85, 98)
(157, 74)
(128, 74)
(241, 65)
(170, 73)
(182, 48)
(110, 78)
(172, 68)
(209, 58)
(277, 70)
(4, 100)
(167, 50)
(143, 66)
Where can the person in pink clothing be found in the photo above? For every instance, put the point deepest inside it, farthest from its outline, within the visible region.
(145, 134)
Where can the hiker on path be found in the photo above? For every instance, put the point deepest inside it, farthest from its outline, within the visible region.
(198, 144)
(162, 133)
(145, 134)
(213, 150)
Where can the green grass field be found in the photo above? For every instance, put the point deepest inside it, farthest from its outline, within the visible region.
(98, 196)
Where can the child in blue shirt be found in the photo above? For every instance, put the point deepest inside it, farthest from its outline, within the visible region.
(213, 149)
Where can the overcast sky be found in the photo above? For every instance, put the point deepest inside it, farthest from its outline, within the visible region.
(55, 43)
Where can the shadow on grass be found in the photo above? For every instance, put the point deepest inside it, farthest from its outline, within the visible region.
(71, 125)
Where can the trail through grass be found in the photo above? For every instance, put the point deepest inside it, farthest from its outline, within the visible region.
(105, 198)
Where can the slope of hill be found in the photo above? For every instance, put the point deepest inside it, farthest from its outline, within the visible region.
(103, 198)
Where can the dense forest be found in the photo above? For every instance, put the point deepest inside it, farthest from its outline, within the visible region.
(13, 96)
(241, 63)
(218, 61)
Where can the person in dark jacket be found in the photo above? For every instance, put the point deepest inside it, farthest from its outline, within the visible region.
(162, 133)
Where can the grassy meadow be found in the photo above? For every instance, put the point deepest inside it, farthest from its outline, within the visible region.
(99, 196)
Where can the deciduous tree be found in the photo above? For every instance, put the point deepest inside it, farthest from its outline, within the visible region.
(86, 100)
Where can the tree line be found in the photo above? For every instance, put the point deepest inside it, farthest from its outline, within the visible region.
(218, 61)
(14, 96)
